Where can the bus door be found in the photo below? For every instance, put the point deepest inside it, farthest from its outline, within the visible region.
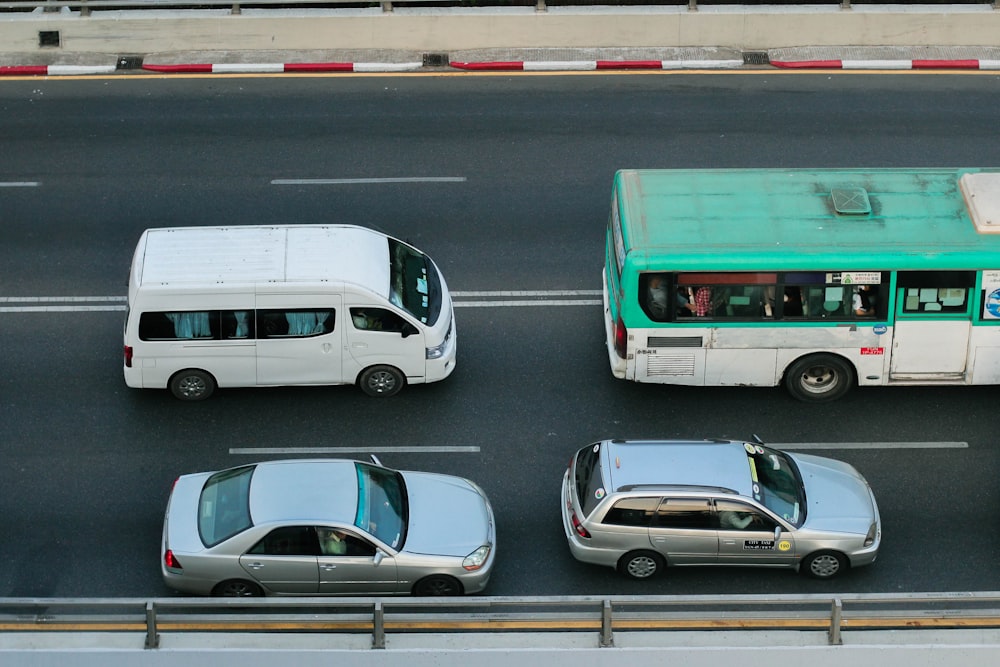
(930, 339)
(299, 339)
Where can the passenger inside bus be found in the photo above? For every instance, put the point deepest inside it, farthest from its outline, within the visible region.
(863, 306)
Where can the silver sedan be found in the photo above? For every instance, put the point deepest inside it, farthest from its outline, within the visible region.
(327, 527)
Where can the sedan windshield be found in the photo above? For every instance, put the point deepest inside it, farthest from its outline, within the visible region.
(382, 504)
(777, 483)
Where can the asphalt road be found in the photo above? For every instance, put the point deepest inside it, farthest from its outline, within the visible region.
(88, 463)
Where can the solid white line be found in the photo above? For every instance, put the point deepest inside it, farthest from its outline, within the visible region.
(356, 181)
(58, 299)
(553, 292)
(472, 449)
(490, 304)
(19, 184)
(62, 309)
(868, 445)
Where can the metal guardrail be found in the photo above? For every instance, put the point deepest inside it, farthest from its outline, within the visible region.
(86, 6)
(601, 616)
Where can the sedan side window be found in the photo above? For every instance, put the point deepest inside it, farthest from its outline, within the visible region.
(335, 542)
(685, 513)
(288, 541)
(740, 516)
(632, 512)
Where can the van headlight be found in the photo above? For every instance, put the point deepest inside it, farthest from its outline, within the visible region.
(437, 351)
(477, 558)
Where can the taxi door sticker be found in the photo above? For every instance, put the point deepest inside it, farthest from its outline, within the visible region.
(758, 545)
(784, 545)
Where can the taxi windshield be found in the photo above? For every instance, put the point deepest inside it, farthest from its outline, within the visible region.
(777, 483)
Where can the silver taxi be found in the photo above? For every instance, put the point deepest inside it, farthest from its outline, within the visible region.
(642, 505)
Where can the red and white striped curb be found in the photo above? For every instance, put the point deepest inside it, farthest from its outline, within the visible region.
(888, 64)
(64, 70)
(589, 65)
(514, 65)
(229, 68)
(56, 70)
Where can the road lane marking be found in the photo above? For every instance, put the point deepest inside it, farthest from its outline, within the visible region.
(364, 181)
(61, 304)
(19, 184)
(867, 445)
(400, 449)
(486, 299)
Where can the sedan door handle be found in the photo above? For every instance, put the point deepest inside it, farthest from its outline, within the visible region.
(328, 566)
(255, 566)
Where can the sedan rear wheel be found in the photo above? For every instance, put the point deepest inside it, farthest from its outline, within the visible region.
(437, 585)
(237, 588)
(824, 564)
(641, 564)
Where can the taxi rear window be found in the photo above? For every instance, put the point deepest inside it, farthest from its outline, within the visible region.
(224, 505)
(589, 478)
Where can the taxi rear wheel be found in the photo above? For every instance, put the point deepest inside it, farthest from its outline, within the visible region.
(824, 564)
(641, 564)
(237, 588)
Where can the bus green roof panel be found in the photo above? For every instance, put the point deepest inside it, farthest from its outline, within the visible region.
(786, 219)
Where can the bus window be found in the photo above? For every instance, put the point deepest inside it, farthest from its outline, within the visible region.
(937, 292)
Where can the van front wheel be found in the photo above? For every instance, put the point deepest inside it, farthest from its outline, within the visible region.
(192, 385)
(382, 381)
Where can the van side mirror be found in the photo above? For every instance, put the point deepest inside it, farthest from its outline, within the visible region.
(408, 330)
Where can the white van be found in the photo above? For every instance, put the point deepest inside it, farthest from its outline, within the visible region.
(284, 305)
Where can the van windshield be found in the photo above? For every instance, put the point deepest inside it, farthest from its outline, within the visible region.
(414, 282)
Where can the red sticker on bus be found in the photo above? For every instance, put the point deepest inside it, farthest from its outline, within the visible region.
(873, 350)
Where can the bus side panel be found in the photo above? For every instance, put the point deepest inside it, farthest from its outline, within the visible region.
(750, 356)
(984, 349)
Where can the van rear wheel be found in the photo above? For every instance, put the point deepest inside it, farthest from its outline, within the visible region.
(192, 384)
(382, 381)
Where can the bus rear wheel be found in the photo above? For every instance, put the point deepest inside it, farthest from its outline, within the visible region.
(818, 378)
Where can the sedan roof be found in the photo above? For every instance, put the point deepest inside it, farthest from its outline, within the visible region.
(304, 490)
(677, 462)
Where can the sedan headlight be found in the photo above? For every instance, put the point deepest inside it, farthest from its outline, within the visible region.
(872, 532)
(477, 558)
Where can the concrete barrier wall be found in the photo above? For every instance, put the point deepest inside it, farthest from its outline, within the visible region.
(441, 30)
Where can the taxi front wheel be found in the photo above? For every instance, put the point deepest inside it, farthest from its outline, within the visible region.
(824, 564)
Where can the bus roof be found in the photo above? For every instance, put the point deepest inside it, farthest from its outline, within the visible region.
(820, 219)
(263, 254)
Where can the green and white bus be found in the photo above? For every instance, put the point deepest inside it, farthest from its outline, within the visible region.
(820, 279)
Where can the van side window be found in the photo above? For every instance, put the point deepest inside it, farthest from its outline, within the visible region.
(197, 325)
(297, 323)
(376, 319)
(237, 324)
